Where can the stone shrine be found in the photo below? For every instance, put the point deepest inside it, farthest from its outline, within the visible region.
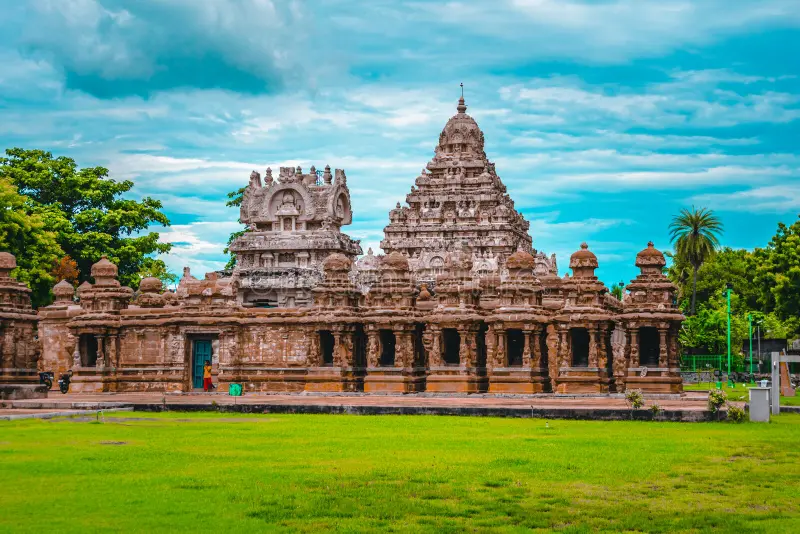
(460, 303)
(293, 224)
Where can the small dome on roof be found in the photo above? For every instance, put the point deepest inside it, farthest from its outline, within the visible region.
(7, 261)
(395, 261)
(650, 256)
(583, 258)
(63, 290)
(104, 268)
(150, 284)
(520, 260)
(337, 263)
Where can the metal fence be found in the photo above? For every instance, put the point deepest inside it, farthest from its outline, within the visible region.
(699, 363)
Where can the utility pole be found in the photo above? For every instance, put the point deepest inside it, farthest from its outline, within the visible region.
(750, 324)
(729, 285)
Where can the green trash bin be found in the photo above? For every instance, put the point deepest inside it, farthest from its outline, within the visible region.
(235, 390)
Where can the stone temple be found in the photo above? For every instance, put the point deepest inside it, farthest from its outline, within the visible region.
(461, 302)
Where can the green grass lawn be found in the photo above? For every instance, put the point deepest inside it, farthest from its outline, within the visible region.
(738, 392)
(202, 472)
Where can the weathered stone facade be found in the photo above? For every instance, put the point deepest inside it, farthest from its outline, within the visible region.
(19, 348)
(489, 315)
(293, 224)
(457, 199)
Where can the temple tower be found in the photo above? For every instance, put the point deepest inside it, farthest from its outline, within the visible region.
(457, 200)
(293, 223)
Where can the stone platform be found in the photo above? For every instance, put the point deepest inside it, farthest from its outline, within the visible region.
(688, 408)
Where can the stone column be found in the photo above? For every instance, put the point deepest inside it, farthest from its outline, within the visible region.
(434, 338)
(662, 347)
(634, 345)
(501, 352)
(463, 349)
(536, 347)
(563, 347)
(592, 346)
(404, 349)
(373, 349)
(602, 349)
(101, 357)
(526, 349)
(491, 348)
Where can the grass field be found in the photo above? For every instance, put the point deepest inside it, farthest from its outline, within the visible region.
(202, 472)
(738, 392)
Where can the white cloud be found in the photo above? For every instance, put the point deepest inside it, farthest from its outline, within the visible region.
(779, 198)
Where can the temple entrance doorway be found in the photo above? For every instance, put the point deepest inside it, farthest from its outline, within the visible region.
(88, 350)
(201, 352)
(326, 343)
(515, 342)
(648, 346)
(580, 347)
(387, 348)
(452, 346)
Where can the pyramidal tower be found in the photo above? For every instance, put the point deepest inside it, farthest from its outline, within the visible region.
(459, 203)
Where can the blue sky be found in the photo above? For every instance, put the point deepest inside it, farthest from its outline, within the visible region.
(604, 117)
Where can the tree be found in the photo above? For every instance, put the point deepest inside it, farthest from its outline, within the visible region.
(87, 212)
(25, 234)
(66, 269)
(695, 235)
(158, 269)
(777, 272)
(234, 202)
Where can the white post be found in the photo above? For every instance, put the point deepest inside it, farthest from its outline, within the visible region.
(776, 383)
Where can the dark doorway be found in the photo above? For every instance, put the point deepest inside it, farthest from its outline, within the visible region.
(481, 345)
(419, 347)
(543, 349)
(648, 346)
(515, 343)
(359, 347)
(88, 350)
(452, 346)
(580, 347)
(388, 341)
(326, 343)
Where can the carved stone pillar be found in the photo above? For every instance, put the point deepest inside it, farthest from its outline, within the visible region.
(592, 346)
(552, 353)
(536, 347)
(662, 348)
(563, 347)
(435, 350)
(526, 349)
(491, 348)
(634, 345)
(315, 350)
(602, 350)
(463, 348)
(101, 357)
(404, 348)
(501, 353)
(373, 349)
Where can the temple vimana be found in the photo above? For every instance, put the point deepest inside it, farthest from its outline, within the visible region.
(460, 302)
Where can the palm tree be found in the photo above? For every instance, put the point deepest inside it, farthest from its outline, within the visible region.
(695, 234)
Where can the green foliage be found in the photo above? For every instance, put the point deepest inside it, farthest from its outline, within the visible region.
(158, 269)
(695, 234)
(655, 409)
(735, 414)
(87, 212)
(634, 398)
(777, 272)
(24, 232)
(716, 400)
(235, 201)
(616, 291)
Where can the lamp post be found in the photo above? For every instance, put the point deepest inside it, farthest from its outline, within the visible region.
(750, 325)
(729, 287)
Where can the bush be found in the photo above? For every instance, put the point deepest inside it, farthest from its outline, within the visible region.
(655, 409)
(735, 414)
(716, 399)
(635, 399)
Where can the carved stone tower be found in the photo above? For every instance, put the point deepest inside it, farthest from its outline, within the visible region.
(293, 224)
(458, 200)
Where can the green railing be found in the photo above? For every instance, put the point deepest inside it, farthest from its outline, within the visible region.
(712, 362)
